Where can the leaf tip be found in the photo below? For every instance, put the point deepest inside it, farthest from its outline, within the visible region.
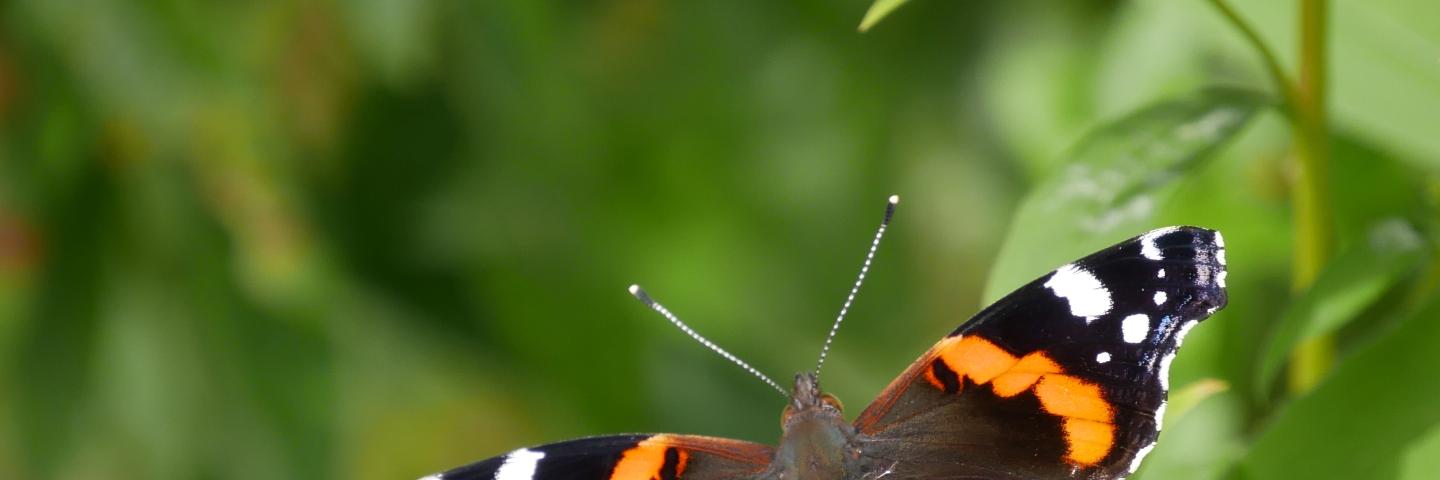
(878, 11)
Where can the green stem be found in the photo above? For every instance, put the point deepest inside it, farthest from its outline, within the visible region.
(1314, 238)
(1282, 81)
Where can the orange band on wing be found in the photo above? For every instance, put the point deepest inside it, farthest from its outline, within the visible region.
(1088, 417)
(654, 458)
(1072, 397)
(1025, 373)
(1089, 440)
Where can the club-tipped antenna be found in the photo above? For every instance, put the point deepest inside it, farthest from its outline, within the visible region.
(654, 305)
(864, 269)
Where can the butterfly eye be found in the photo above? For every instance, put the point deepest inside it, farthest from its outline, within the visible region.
(833, 402)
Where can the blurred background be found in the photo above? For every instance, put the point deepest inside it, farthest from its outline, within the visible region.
(377, 239)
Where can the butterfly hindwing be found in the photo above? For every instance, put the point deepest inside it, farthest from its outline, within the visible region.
(623, 457)
(1065, 377)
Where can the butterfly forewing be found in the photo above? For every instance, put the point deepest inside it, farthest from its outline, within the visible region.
(623, 457)
(1066, 377)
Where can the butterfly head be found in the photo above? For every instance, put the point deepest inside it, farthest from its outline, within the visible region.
(807, 400)
(818, 442)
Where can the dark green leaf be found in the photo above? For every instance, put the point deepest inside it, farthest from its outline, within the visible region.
(1357, 423)
(1350, 284)
(1107, 187)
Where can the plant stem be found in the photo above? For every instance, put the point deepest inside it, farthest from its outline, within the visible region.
(1314, 235)
(1277, 74)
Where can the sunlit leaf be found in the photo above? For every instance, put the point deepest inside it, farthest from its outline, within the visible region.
(1350, 284)
(1390, 89)
(878, 11)
(1386, 77)
(1109, 185)
(1191, 395)
(1357, 423)
(1422, 459)
(1201, 443)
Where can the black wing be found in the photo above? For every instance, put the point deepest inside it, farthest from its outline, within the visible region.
(1065, 377)
(623, 457)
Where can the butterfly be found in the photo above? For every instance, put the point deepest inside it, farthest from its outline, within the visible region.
(1064, 378)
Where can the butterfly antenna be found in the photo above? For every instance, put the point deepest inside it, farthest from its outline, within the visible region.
(654, 305)
(864, 269)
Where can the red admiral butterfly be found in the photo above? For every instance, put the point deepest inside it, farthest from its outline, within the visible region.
(1065, 377)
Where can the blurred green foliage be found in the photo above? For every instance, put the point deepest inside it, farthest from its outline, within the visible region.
(379, 238)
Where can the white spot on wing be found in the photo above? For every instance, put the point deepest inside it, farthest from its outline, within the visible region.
(1135, 327)
(1103, 357)
(1219, 240)
(1160, 298)
(519, 465)
(1220, 279)
(1160, 415)
(1160, 274)
(1149, 250)
(1087, 296)
(1220, 256)
(432, 477)
(1147, 243)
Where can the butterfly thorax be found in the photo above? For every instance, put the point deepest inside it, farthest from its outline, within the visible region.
(817, 441)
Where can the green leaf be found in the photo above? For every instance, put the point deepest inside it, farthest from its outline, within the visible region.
(1358, 422)
(878, 11)
(1108, 185)
(1386, 80)
(1422, 459)
(1350, 284)
(1201, 444)
(1390, 88)
(1191, 395)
